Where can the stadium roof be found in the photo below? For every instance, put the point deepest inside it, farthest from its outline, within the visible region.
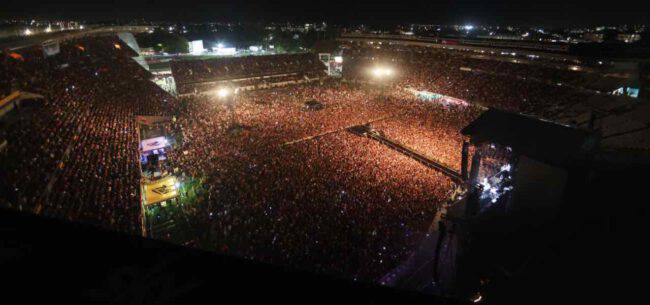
(541, 140)
(25, 42)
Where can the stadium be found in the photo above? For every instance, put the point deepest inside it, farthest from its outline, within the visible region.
(376, 173)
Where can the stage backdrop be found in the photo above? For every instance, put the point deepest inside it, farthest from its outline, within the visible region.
(153, 143)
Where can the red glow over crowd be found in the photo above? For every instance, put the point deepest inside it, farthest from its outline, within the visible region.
(336, 203)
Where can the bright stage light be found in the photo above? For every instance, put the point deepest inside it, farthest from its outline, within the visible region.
(382, 72)
(223, 92)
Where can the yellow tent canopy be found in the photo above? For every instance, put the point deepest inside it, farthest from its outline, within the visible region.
(160, 190)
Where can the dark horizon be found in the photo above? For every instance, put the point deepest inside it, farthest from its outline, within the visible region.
(543, 13)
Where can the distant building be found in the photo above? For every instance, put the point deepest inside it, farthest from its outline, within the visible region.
(594, 37)
(196, 47)
(628, 37)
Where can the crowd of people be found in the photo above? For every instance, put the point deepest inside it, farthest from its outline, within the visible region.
(337, 203)
(538, 89)
(295, 187)
(278, 181)
(75, 155)
(257, 82)
(224, 68)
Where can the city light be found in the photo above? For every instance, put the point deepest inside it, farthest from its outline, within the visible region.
(27, 32)
(338, 59)
(196, 47)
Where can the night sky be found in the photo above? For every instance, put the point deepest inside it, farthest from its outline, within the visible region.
(491, 12)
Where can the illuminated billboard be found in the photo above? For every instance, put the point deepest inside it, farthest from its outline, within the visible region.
(153, 144)
(196, 47)
(51, 48)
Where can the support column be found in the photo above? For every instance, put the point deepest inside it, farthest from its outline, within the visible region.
(476, 164)
(464, 160)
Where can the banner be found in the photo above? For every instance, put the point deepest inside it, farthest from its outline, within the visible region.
(51, 48)
(153, 144)
(437, 97)
(160, 190)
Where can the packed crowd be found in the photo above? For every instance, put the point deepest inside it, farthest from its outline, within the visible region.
(257, 82)
(224, 68)
(278, 183)
(537, 89)
(336, 203)
(75, 155)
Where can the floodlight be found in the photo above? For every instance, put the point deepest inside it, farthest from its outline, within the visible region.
(223, 92)
(382, 72)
